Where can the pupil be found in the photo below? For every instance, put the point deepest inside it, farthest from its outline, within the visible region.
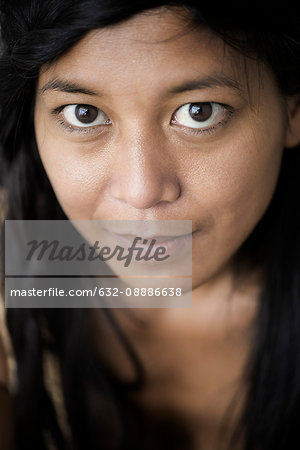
(86, 113)
(200, 111)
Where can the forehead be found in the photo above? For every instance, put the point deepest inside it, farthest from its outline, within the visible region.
(155, 49)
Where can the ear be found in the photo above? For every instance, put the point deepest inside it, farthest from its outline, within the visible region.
(292, 137)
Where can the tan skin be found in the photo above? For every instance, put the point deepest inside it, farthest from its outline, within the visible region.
(145, 158)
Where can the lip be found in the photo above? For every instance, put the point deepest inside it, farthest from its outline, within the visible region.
(172, 244)
(158, 238)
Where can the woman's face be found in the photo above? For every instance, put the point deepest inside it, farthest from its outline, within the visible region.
(152, 119)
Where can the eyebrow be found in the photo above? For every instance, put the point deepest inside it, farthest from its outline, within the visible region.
(210, 81)
(66, 86)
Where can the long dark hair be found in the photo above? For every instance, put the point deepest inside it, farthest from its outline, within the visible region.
(35, 32)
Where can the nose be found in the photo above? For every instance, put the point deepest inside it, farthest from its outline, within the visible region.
(143, 172)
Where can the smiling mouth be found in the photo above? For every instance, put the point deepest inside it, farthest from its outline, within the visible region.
(156, 238)
(172, 244)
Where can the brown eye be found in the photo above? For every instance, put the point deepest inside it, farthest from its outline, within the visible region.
(86, 113)
(85, 116)
(200, 111)
(200, 115)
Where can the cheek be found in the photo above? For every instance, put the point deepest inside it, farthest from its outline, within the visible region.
(76, 186)
(77, 179)
(237, 185)
(232, 186)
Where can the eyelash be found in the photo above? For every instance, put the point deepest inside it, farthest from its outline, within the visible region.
(56, 112)
(229, 112)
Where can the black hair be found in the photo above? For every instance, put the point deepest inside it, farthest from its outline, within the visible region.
(35, 32)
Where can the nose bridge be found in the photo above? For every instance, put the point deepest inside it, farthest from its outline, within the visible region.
(144, 152)
(143, 173)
